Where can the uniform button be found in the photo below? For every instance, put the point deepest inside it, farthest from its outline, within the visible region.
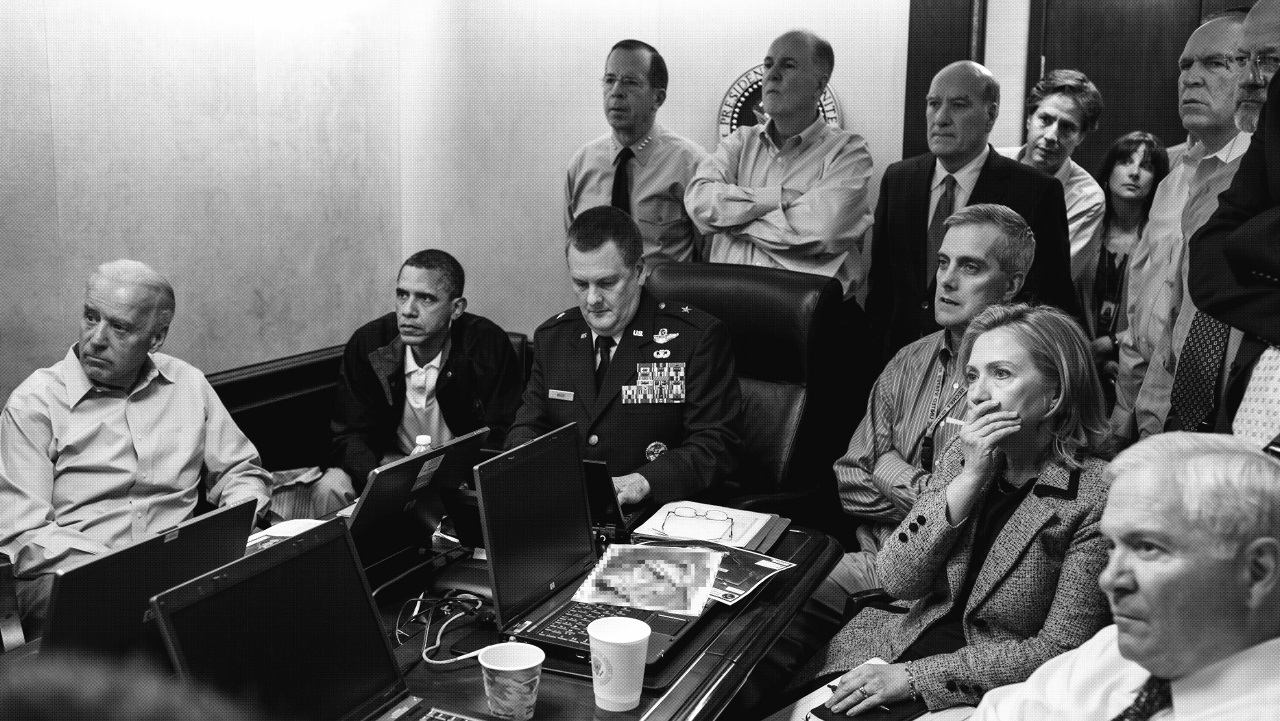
(902, 537)
(662, 306)
(593, 439)
(924, 305)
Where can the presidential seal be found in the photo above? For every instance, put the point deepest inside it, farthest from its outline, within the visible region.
(741, 103)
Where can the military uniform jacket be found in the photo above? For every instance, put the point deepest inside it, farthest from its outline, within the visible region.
(668, 407)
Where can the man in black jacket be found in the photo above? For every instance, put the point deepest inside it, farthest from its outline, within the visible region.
(429, 368)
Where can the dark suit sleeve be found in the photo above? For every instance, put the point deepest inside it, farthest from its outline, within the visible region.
(880, 294)
(1234, 269)
(1050, 276)
(712, 412)
(354, 422)
(532, 420)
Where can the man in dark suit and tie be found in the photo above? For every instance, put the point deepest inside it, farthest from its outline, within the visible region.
(961, 168)
(650, 384)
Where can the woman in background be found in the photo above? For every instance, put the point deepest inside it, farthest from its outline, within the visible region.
(1133, 167)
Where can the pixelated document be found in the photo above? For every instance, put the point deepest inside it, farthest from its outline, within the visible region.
(677, 580)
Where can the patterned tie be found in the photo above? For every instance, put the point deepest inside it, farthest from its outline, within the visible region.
(1258, 419)
(1195, 379)
(603, 344)
(1154, 697)
(621, 190)
(943, 210)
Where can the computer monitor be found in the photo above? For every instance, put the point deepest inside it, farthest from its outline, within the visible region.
(102, 606)
(536, 520)
(292, 628)
(400, 505)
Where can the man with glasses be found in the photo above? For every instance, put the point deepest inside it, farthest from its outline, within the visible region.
(1258, 60)
(1235, 262)
(1160, 312)
(640, 167)
(1062, 109)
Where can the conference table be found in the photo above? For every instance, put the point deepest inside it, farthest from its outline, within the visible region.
(712, 662)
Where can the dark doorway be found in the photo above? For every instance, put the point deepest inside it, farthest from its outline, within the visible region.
(1129, 49)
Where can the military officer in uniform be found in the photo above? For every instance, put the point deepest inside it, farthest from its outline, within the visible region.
(650, 384)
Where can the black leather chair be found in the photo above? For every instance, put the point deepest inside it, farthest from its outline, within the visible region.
(804, 381)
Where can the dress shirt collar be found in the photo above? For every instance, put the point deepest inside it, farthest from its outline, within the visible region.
(1194, 696)
(966, 177)
(411, 365)
(79, 386)
(797, 142)
(642, 149)
(1227, 153)
(617, 341)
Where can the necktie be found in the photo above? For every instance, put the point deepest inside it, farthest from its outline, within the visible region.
(603, 344)
(1154, 697)
(1195, 379)
(621, 189)
(1258, 419)
(421, 386)
(943, 210)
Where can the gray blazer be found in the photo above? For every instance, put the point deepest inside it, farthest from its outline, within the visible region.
(1035, 597)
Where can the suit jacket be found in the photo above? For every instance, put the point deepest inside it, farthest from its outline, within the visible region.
(1035, 597)
(1234, 271)
(479, 385)
(695, 443)
(900, 301)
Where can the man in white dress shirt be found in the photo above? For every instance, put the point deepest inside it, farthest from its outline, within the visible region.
(1194, 585)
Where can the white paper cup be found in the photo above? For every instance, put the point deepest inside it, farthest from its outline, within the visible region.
(618, 649)
(511, 675)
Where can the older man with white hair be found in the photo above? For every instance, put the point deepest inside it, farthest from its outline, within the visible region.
(110, 444)
(1193, 581)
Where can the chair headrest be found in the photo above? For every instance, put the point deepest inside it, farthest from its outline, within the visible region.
(775, 317)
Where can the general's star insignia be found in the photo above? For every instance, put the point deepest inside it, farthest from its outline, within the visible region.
(662, 336)
(685, 309)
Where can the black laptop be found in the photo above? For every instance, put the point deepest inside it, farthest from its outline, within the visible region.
(534, 510)
(292, 628)
(400, 505)
(102, 606)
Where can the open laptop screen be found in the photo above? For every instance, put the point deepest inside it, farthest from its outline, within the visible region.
(100, 606)
(291, 627)
(537, 527)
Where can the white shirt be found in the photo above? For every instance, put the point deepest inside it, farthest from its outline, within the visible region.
(1086, 205)
(966, 178)
(1095, 683)
(422, 415)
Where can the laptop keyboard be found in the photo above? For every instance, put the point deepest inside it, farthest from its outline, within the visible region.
(570, 626)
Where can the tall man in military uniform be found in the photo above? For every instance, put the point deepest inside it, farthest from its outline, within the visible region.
(651, 385)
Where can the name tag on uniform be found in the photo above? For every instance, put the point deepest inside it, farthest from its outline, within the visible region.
(656, 383)
(556, 395)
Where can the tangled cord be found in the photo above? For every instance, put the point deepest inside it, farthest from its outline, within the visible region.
(448, 601)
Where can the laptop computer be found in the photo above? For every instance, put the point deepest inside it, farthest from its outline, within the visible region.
(292, 628)
(535, 514)
(102, 606)
(400, 506)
